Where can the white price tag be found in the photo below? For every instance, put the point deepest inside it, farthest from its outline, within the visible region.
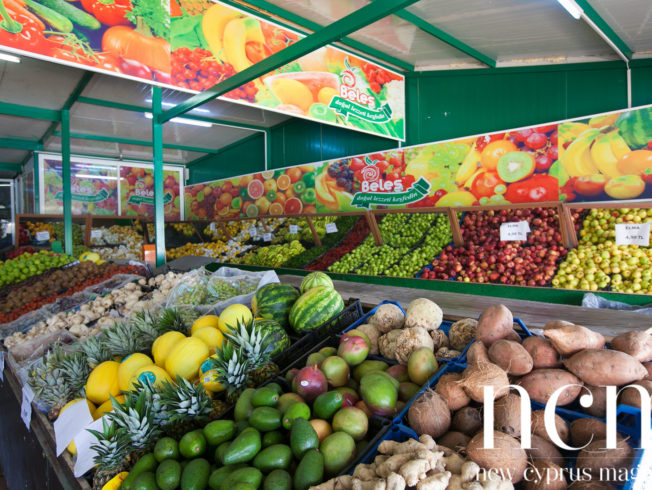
(70, 423)
(294, 229)
(96, 234)
(253, 231)
(2, 366)
(42, 236)
(212, 227)
(83, 442)
(515, 231)
(633, 234)
(267, 237)
(26, 405)
(331, 228)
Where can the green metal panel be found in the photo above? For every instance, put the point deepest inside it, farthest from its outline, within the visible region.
(37, 186)
(159, 210)
(20, 144)
(29, 111)
(10, 167)
(65, 177)
(641, 82)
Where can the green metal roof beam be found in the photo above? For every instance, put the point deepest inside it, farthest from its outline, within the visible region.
(355, 21)
(10, 167)
(222, 150)
(313, 26)
(137, 108)
(591, 13)
(19, 144)
(28, 111)
(445, 37)
(128, 141)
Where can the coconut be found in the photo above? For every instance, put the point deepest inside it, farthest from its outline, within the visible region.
(468, 421)
(452, 392)
(477, 376)
(429, 414)
(507, 415)
(547, 476)
(506, 457)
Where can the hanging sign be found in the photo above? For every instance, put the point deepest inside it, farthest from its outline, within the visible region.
(514, 231)
(83, 442)
(70, 423)
(633, 234)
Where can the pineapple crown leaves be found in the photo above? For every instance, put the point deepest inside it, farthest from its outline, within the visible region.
(232, 367)
(136, 417)
(112, 446)
(123, 340)
(145, 323)
(75, 371)
(252, 340)
(171, 319)
(185, 401)
(95, 350)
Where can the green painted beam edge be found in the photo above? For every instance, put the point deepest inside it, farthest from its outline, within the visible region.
(338, 29)
(137, 108)
(127, 141)
(20, 110)
(540, 295)
(20, 144)
(10, 167)
(313, 26)
(445, 37)
(592, 14)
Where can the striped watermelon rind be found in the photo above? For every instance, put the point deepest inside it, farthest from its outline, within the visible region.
(315, 279)
(636, 127)
(277, 337)
(274, 302)
(314, 307)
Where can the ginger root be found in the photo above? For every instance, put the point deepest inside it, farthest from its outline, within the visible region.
(395, 482)
(365, 472)
(378, 484)
(438, 481)
(393, 464)
(413, 471)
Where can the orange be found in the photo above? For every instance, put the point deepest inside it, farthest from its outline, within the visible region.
(283, 182)
(244, 180)
(263, 204)
(269, 185)
(635, 162)
(493, 151)
(294, 173)
(310, 210)
(276, 208)
(280, 198)
(226, 198)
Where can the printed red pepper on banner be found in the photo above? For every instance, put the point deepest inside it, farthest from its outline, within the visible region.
(21, 31)
(538, 188)
(108, 12)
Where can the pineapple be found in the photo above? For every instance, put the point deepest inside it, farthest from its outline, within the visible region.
(112, 453)
(122, 340)
(252, 341)
(145, 324)
(171, 319)
(185, 406)
(153, 400)
(137, 418)
(232, 369)
(49, 383)
(96, 352)
(75, 370)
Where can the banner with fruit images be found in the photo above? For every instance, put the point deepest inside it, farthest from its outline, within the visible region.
(137, 192)
(607, 157)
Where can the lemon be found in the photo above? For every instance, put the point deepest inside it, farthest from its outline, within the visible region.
(129, 366)
(163, 345)
(154, 374)
(205, 321)
(102, 382)
(232, 314)
(107, 407)
(212, 337)
(186, 357)
(209, 381)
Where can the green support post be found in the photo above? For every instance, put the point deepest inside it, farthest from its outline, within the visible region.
(37, 186)
(159, 211)
(268, 149)
(65, 176)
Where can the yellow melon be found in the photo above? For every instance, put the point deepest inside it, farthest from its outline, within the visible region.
(232, 314)
(107, 406)
(102, 382)
(207, 365)
(163, 345)
(186, 357)
(154, 374)
(205, 321)
(129, 366)
(212, 337)
(209, 381)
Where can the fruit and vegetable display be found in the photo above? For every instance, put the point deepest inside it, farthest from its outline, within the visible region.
(30, 264)
(117, 242)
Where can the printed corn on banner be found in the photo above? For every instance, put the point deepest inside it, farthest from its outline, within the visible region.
(197, 44)
(607, 157)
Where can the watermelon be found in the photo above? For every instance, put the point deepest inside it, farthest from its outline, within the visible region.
(277, 337)
(636, 127)
(273, 301)
(315, 279)
(314, 307)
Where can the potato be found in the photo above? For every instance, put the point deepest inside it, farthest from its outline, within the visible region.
(542, 383)
(544, 450)
(452, 392)
(539, 427)
(511, 357)
(636, 344)
(477, 353)
(605, 367)
(568, 338)
(453, 440)
(632, 397)
(507, 415)
(387, 317)
(423, 313)
(462, 333)
(507, 455)
(544, 475)
(585, 430)
(542, 352)
(606, 464)
(494, 324)
(468, 420)
(372, 332)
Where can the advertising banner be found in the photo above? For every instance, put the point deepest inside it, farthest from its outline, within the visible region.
(193, 45)
(607, 157)
(137, 192)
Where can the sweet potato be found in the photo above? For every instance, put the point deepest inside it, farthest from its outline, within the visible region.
(636, 344)
(545, 475)
(585, 430)
(606, 464)
(477, 353)
(507, 415)
(543, 353)
(514, 337)
(494, 324)
(542, 383)
(568, 338)
(648, 367)
(539, 427)
(511, 357)
(599, 406)
(468, 420)
(544, 450)
(632, 397)
(605, 367)
(507, 455)
(452, 392)
(453, 440)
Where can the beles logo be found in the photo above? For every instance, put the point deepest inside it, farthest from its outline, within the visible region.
(372, 181)
(349, 91)
(586, 401)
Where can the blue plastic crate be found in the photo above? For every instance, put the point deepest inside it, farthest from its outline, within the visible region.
(524, 334)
